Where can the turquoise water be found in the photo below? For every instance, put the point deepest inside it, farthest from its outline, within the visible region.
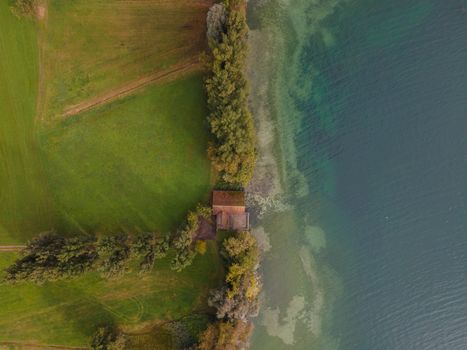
(369, 102)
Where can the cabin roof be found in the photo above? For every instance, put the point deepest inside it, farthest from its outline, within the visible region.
(228, 198)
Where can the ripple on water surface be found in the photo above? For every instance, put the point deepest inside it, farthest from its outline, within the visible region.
(370, 105)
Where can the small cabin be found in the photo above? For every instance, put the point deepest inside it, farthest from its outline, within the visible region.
(229, 209)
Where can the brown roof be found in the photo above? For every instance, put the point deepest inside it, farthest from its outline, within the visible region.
(228, 198)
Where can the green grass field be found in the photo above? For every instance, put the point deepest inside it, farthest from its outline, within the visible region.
(94, 46)
(68, 313)
(24, 203)
(135, 164)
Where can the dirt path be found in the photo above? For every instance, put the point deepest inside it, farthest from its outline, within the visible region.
(42, 16)
(131, 87)
(36, 346)
(11, 248)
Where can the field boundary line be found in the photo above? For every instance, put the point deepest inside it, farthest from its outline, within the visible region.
(42, 346)
(41, 34)
(11, 248)
(132, 87)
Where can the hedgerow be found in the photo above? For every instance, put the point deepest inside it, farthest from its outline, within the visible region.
(232, 149)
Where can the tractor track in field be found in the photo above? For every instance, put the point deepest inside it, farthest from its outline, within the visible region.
(132, 87)
(42, 12)
(11, 248)
(38, 346)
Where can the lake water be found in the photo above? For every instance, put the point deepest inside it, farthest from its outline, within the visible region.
(368, 250)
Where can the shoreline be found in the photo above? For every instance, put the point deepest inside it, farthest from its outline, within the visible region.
(294, 310)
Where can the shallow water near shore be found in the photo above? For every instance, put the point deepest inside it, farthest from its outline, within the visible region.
(364, 105)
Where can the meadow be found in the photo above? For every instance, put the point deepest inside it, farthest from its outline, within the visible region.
(67, 313)
(137, 163)
(24, 202)
(90, 47)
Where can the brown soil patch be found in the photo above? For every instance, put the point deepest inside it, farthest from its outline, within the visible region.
(206, 229)
(41, 10)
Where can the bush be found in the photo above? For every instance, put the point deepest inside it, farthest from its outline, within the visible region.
(226, 336)
(107, 338)
(243, 254)
(238, 298)
(183, 259)
(114, 255)
(183, 242)
(149, 247)
(24, 8)
(201, 247)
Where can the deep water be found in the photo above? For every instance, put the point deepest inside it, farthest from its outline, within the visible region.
(369, 102)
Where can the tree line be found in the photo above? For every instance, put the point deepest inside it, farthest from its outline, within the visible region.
(237, 300)
(233, 154)
(232, 149)
(51, 256)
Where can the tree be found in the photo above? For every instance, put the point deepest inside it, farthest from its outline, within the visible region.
(238, 298)
(108, 338)
(239, 247)
(226, 336)
(183, 241)
(162, 247)
(243, 254)
(149, 247)
(51, 257)
(231, 308)
(183, 259)
(216, 22)
(114, 255)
